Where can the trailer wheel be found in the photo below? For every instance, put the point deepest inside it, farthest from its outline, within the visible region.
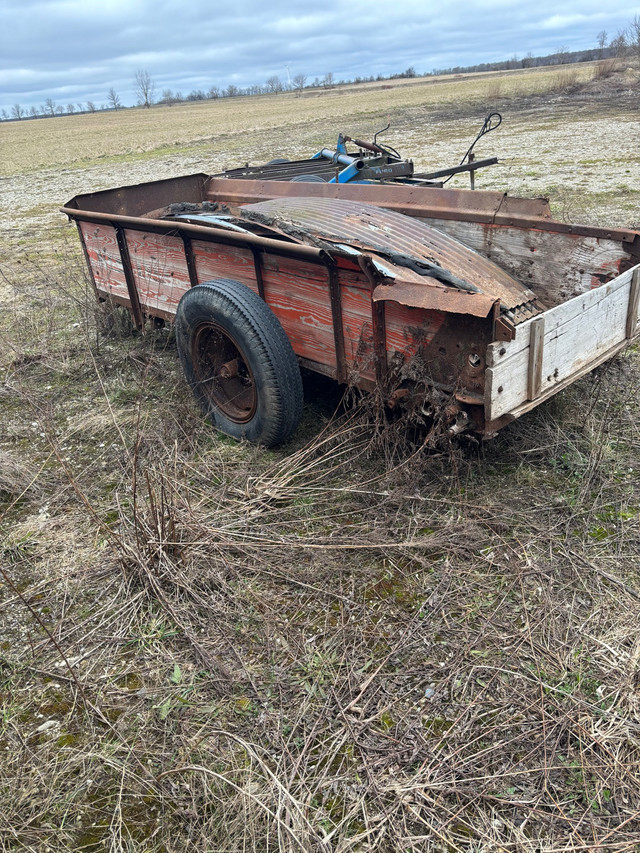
(238, 361)
(310, 179)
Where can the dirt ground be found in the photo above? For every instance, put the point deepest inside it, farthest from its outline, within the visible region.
(352, 643)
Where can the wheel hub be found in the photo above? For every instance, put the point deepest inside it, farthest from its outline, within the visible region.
(223, 372)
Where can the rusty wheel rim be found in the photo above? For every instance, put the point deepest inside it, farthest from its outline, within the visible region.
(223, 373)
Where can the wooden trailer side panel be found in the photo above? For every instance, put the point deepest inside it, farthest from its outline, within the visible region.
(556, 265)
(557, 347)
(410, 329)
(216, 260)
(103, 253)
(298, 294)
(163, 267)
(160, 271)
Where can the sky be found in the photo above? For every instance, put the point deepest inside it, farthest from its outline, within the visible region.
(74, 51)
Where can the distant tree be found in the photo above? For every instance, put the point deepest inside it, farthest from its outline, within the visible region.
(49, 107)
(168, 98)
(17, 112)
(144, 87)
(33, 112)
(410, 72)
(602, 43)
(113, 99)
(214, 92)
(274, 85)
(634, 34)
(232, 91)
(196, 95)
(299, 82)
(179, 98)
(91, 107)
(327, 80)
(619, 44)
(71, 108)
(59, 110)
(80, 107)
(5, 115)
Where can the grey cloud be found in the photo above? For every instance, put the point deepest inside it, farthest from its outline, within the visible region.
(75, 49)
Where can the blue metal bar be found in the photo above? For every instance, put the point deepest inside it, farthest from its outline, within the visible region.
(352, 171)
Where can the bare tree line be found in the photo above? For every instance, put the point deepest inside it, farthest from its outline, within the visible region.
(273, 85)
(49, 110)
(626, 42)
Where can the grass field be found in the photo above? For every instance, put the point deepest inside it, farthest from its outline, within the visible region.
(352, 643)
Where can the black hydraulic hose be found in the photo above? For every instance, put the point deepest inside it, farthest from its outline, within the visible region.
(492, 122)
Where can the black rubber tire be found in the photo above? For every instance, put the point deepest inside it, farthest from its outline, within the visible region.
(277, 160)
(224, 319)
(309, 179)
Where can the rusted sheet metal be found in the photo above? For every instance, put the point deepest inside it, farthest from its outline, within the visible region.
(435, 298)
(478, 206)
(482, 206)
(405, 242)
(137, 199)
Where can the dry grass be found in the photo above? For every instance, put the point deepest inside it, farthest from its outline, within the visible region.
(606, 67)
(349, 644)
(211, 647)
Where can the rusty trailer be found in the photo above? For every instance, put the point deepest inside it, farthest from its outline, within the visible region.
(478, 300)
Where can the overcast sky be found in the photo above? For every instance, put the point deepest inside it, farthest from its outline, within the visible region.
(74, 50)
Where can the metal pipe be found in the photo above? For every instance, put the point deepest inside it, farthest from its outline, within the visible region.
(345, 159)
(466, 167)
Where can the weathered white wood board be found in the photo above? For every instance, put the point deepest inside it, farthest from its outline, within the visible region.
(577, 335)
(556, 265)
